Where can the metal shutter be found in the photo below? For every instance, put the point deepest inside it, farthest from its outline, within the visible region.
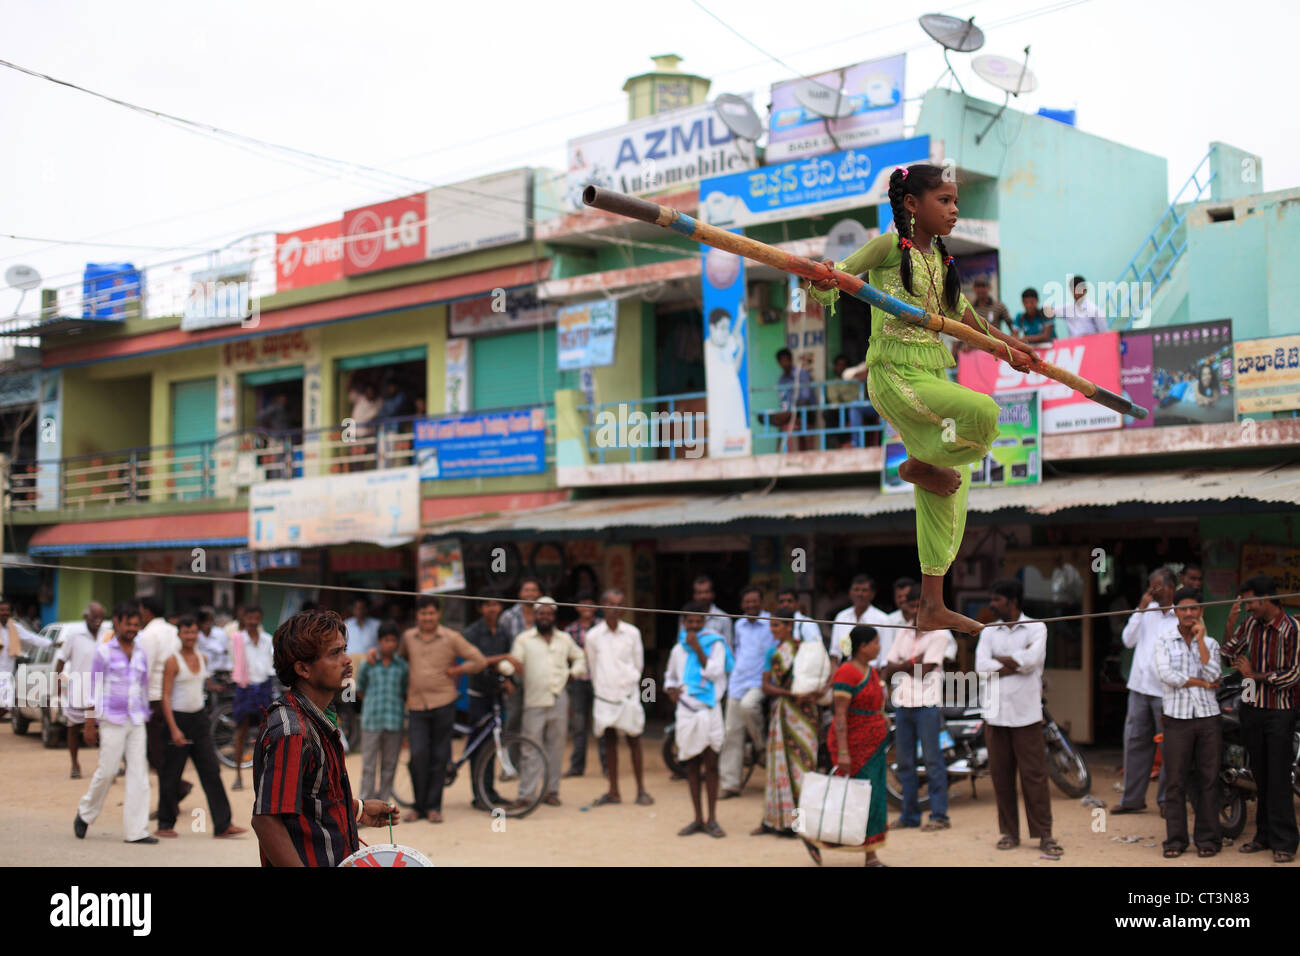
(506, 367)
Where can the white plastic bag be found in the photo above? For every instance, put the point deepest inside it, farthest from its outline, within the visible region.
(834, 809)
(812, 669)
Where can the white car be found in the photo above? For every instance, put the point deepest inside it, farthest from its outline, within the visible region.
(32, 704)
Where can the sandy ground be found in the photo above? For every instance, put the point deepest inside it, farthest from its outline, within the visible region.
(38, 802)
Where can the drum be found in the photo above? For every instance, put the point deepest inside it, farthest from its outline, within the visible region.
(387, 854)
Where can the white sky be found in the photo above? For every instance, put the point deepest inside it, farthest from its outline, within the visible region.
(443, 92)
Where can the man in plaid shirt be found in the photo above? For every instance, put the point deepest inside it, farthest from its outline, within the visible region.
(381, 688)
(1188, 664)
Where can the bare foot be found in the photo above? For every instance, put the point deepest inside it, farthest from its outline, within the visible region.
(937, 617)
(940, 481)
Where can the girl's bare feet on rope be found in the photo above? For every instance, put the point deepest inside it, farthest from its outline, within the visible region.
(935, 616)
(940, 481)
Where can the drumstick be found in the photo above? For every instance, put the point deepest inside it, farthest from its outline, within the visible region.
(633, 208)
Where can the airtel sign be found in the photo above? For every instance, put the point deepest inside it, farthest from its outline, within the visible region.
(384, 235)
(308, 256)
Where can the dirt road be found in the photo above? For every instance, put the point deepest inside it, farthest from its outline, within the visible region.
(38, 802)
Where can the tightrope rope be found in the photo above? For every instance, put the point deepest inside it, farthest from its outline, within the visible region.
(212, 578)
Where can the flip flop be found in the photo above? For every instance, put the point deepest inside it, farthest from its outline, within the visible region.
(1251, 847)
(715, 831)
(1205, 851)
(691, 829)
(644, 799)
(813, 851)
(1049, 847)
(1173, 853)
(75, 775)
(1282, 856)
(605, 799)
(1008, 843)
(931, 825)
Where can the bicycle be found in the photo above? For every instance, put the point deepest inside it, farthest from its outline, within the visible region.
(504, 762)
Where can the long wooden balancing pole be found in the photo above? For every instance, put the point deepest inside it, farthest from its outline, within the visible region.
(633, 208)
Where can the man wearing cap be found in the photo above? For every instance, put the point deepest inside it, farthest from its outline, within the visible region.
(547, 657)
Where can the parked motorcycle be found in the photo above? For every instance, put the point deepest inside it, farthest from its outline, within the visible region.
(965, 754)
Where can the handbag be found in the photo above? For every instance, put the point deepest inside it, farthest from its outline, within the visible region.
(812, 669)
(835, 809)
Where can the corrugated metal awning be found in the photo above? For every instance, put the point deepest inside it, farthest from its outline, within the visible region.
(211, 530)
(1279, 485)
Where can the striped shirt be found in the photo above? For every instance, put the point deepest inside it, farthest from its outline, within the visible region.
(299, 776)
(120, 684)
(1272, 649)
(1176, 662)
(383, 690)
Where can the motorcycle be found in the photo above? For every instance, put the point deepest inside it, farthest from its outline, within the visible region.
(965, 754)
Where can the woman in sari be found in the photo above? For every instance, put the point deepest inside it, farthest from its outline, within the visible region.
(792, 734)
(857, 737)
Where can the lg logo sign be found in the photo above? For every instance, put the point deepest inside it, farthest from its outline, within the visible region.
(389, 234)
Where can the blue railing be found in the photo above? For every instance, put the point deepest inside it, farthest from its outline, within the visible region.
(675, 426)
(1160, 251)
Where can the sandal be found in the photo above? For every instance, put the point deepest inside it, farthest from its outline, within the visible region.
(605, 799)
(1205, 851)
(713, 830)
(1173, 852)
(75, 774)
(813, 851)
(644, 799)
(1251, 847)
(1282, 856)
(691, 828)
(1051, 848)
(875, 862)
(932, 824)
(1008, 843)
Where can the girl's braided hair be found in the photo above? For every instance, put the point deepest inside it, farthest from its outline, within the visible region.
(917, 180)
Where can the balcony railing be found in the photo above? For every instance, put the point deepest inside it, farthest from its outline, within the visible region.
(838, 414)
(221, 468)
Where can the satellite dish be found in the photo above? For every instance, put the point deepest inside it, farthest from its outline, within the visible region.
(824, 101)
(1007, 75)
(22, 277)
(738, 116)
(952, 33)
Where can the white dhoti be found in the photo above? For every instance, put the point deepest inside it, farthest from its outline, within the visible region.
(699, 728)
(626, 716)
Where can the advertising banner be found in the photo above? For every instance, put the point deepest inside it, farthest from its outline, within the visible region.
(480, 446)
(585, 335)
(379, 507)
(384, 235)
(1135, 368)
(1268, 374)
(477, 214)
(1190, 381)
(812, 187)
(442, 566)
(726, 351)
(865, 101)
(309, 256)
(667, 150)
(1095, 357)
(1014, 459)
(457, 375)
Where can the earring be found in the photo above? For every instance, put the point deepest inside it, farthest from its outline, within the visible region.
(911, 224)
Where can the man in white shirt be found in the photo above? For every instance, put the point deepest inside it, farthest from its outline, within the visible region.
(1082, 316)
(1145, 690)
(214, 642)
(615, 661)
(889, 630)
(787, 605)
(744, 709)
(1014, 652)
(159, 641)
(915, 672)
(717, 619)
(862, 592)
(76, 655)
(1189, 666)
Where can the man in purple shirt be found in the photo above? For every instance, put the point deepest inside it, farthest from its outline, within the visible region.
(119, 690)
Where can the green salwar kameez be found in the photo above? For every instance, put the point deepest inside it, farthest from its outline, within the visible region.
(940, 422)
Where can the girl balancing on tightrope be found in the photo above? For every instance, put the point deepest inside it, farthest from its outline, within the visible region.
(945, 426)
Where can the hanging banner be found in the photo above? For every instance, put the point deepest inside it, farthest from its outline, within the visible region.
(1268, 374)
(585, 335)
(482, 446)
(864, 103)
(379, 507)
(726, 351)
(457, 375)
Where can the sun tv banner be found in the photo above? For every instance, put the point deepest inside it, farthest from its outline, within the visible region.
(726, 351)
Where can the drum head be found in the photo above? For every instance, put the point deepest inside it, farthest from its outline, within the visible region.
(387, 854)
